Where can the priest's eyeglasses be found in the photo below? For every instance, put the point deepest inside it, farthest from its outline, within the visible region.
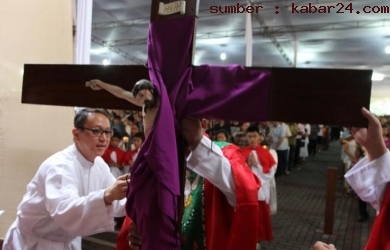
(98, 132)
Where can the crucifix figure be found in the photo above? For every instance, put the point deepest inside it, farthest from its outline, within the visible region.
(143, 95)
(214, 92)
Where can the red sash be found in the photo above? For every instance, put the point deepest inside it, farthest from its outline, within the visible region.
(231, 228)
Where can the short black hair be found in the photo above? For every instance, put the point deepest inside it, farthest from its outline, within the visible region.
(82, 115)
(130, 118)
(139, 135)
(116, 135)
(223, 131)
(253, 129)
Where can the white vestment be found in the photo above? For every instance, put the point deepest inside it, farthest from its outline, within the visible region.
(273, 201)
(369, 179)
(64, 201)
(208, 161)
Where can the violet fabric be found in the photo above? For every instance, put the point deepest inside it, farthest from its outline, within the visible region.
(232, 92)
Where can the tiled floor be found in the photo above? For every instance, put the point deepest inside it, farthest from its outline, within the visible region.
(299, 222)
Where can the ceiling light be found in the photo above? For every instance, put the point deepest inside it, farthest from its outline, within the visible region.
(377, 76)
(387, 50)
(99, 51)
(106, 62)
(223, 56)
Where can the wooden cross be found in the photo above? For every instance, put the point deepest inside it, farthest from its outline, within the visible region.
(319, 96)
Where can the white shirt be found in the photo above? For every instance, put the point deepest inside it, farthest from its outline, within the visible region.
(64, 200)
(278, 132)
(320, 133)
(369, 179)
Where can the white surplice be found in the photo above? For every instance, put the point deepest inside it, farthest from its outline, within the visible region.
(266, 179)
(64, 201)
(273, 200)
(208, 161)
(369, 179)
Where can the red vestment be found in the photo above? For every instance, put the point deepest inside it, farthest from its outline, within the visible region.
(380, 234)
(267, 162)
(129, 157)
(231, 228)
(120, 155)
(122, 243)
(265, 157)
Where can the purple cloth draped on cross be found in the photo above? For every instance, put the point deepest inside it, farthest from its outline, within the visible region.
(185, 90)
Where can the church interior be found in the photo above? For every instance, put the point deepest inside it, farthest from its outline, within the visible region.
(314, 202)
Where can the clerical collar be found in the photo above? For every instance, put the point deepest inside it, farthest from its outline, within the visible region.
(84, 162)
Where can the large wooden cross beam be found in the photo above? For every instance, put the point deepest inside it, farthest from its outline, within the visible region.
(324, 96)
(317, 96)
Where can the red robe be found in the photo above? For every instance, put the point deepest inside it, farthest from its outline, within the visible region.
(231, 228)
(380, 234)
(226, 227)
(120, 155)
(122, 243)
(267, 162)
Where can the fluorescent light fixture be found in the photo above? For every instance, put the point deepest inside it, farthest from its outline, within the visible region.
(99, 51)
(223, 56)
(210, 39)
(387, 50)
(377, 76)
(106, 62)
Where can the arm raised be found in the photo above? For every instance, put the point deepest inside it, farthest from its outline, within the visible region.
(113, 89)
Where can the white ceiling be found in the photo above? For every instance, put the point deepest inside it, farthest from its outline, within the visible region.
(330, 40)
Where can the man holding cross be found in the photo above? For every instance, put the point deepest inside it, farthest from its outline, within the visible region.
(220, 197)
(154, 195)
(218, 182)
(73, 193)
(370, 178)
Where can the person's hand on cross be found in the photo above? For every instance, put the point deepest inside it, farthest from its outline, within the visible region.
(134, 237)
(370, 138)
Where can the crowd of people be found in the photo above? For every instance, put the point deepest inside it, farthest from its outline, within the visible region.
(230, 187)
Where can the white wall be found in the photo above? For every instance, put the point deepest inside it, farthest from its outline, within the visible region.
(38, 31)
